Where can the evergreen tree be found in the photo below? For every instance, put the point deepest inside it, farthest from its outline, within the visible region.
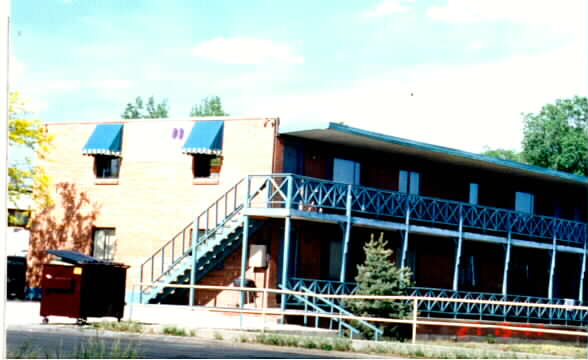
(379, 276)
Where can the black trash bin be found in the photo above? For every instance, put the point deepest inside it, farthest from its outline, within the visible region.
(83, 287)
(16, 276)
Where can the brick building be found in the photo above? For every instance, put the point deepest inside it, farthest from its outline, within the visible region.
(298, 205)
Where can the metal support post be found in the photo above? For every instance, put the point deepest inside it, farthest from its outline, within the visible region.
(244, 250)
(552, 268)
(285, 258)
(506, 265)
(244, 257)
(195, 239)
(405, 241)
(581, 291)
(458, 254)
(414, 320)
(347, 235)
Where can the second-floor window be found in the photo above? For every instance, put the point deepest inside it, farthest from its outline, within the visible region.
(409, 182)
(473, 194)
(206, 166)
(106, 167)
(346, 171)
(524, 202)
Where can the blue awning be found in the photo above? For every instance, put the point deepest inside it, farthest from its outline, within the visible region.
(206, 138)
(105, 140)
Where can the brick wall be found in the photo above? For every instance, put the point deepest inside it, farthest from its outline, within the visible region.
(155, 196)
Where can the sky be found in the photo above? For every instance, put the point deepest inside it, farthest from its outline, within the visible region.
(456, 73)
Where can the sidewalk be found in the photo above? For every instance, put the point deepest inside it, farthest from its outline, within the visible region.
(27, 313)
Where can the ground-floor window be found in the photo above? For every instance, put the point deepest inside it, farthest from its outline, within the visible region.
(103, 245)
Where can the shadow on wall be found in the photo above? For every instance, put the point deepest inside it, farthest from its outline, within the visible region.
(67, 225)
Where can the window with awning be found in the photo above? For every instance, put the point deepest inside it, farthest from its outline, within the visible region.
(206, 138)
(205, 144)
(105, 140)
(105, 145)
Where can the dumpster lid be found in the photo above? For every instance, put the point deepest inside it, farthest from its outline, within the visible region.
(73, 257)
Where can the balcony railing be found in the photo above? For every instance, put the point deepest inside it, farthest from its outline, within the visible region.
(311, 194)
(436, 307)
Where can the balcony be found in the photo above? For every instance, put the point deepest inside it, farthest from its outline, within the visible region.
(322, 200)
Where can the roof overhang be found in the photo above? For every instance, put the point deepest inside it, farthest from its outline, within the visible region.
(338, 134)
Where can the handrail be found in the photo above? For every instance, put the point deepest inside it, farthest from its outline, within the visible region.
(443, 301)
(167, 256)
(325, 194)
(322, 311)
(377, 332)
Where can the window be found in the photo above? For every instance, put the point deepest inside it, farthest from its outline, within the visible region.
(473, 193)
(524, 202)
(405, 186)
(106, 167)
(206, 166)
(104, 244)
(346, 171)
(18, 218)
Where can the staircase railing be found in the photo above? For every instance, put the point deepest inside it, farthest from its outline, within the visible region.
(341, 310)
(214, 218)
(173, 251)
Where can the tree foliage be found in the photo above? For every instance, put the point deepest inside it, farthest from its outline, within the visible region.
(149, 110)
(378, 275)
(504, 154)
(557, 137)
(209, 106)
(30, 134)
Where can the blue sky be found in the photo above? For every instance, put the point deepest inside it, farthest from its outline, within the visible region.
(456, 73)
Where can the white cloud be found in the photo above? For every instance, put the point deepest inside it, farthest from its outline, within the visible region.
(247, 51)
(111, 84)
(565, 14)
(388, 7)
(64, 85)
(477, 45)
(463, 107)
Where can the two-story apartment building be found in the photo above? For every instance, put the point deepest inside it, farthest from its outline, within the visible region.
(294, 208)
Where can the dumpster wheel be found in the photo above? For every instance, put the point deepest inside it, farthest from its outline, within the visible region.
(81, 322)
(45, 320)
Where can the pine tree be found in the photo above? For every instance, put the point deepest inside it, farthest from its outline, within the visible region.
(379, 276)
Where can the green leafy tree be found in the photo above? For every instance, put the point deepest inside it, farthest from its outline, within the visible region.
(378, 275)
(504, 154)
(210, 106)
(149, 110)
(557, 137)
(28, 178)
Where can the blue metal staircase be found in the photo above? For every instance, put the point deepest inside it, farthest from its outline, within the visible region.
(220, 232)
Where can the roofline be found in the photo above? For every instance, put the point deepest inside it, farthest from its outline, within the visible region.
(133, 121)
(452, 152)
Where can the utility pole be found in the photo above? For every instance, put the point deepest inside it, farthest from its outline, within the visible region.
(4, 49)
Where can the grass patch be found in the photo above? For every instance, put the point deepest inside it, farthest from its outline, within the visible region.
(93, 348)
(125, 326)
(322, 343)
(218, 336)
(174, 331)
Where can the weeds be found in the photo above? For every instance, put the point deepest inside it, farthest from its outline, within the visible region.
(93, 348)
(174, 331)
(218, 336)
(125, 326)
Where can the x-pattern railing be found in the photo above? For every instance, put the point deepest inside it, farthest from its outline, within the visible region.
(436, 306)
(314, 194)
(489, 311)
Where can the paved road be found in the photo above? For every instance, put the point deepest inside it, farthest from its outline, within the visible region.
(50, 340)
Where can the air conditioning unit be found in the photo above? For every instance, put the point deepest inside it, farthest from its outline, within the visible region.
(258, 256)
